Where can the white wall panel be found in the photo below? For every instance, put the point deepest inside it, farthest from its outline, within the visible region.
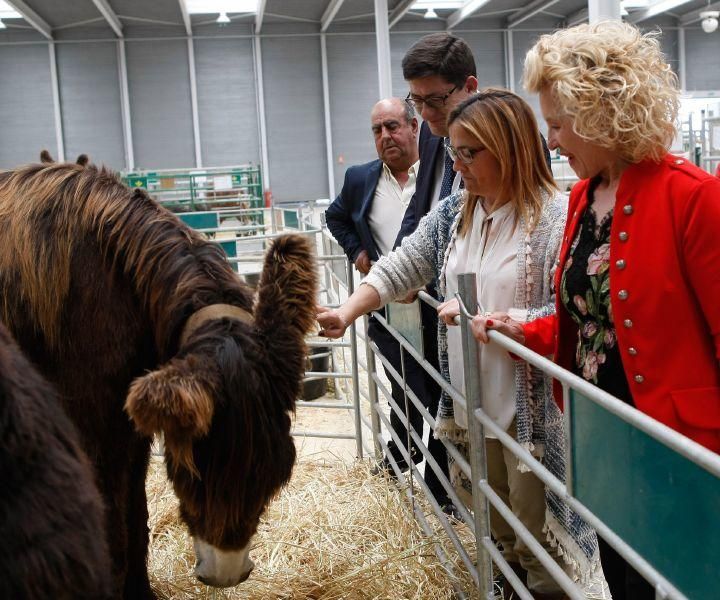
(702, 57)
(295, 121)
(226, 102)
(90, 102)
(352, 73)
(159, 88)
(26, 104)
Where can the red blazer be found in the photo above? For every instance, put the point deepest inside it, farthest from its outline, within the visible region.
(664, 294)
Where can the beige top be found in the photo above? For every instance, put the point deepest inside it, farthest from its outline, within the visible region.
(489, 250)
(388, 207)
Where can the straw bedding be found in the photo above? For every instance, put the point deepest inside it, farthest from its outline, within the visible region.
(335, 532)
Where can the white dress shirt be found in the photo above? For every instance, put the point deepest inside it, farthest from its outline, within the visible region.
(489, 250)
(388, 207)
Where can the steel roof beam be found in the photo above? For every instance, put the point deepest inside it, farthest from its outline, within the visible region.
(186, 17)
(260, 15)
(654, 10)
(399, 12)
(529, 11)
(693, 16)
(107, 12)
(31, 17)
(332, 9)
(466, 10)
(580, 16)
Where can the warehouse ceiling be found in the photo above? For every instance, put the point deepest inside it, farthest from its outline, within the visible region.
(52, 19)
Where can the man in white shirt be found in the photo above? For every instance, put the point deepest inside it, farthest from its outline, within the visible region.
(365, 220)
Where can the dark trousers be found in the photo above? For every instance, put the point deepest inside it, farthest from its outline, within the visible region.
(625, 582)
(424, 387)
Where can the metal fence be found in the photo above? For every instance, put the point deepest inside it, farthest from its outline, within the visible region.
(651, 493)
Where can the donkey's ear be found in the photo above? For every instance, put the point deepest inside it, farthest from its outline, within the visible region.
(176, 400)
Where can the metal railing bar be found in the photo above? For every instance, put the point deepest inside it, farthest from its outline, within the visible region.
(321, 434)
(313, 404)
(310, 375)
(429, 369)
(547, 561)
(691, 450)
(402, 481)
(322, 344)
(417, 440)
(518, 587)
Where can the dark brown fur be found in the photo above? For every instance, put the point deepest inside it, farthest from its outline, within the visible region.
(97, 283)
(51, 515)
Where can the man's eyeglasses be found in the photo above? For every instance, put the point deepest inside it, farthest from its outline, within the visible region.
(429, 101)
(465, 154)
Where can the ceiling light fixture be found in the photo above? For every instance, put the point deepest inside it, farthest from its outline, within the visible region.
(709, 20)
(430, 13)
(222, 19)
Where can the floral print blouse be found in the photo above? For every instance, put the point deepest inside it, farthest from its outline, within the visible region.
(585, 293)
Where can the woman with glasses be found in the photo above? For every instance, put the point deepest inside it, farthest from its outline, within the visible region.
(505, 227)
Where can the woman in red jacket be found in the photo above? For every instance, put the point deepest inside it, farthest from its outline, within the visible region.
(638, 277)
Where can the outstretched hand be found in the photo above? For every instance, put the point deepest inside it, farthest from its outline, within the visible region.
(447, 311)
(497, 321)
(332, 323)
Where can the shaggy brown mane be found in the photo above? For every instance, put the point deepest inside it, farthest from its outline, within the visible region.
(174, 269)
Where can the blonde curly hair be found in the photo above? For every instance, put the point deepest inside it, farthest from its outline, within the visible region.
(614, 82)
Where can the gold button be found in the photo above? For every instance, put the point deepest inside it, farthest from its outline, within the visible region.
(627, 209)
(679, 161)
(623, 235)
(627, 323)
(620, 264)
(639, 379)
(623, 294)
(632, 351)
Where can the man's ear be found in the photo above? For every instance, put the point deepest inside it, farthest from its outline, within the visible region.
(177, 400)
(471, 84)
(414, 125)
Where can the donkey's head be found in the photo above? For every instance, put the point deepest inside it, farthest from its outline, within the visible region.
(223, 404)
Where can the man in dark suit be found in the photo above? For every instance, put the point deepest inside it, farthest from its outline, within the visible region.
(440, 70)
(365, 219)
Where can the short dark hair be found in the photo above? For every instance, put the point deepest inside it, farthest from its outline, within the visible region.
(440, 54)
(410, 113)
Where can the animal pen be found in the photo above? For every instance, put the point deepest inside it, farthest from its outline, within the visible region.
(659, 513)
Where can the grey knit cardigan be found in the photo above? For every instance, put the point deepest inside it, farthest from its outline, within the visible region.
(422, 258)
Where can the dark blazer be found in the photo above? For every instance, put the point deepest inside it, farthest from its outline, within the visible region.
(347, 216)
(429, 146)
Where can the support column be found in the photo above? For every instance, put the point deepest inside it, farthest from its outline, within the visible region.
(260, 99)
(125, 107)
(509, 61)
(382, 37)
(57, 109)
(194, 102)
(682, 64)
(328, 122)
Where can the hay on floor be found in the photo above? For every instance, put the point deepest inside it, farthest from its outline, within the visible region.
(335, 532)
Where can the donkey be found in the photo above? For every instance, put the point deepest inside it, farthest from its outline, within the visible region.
(130, 313)
(51, 514)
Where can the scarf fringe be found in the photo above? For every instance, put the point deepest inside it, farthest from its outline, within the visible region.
(583, 568)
